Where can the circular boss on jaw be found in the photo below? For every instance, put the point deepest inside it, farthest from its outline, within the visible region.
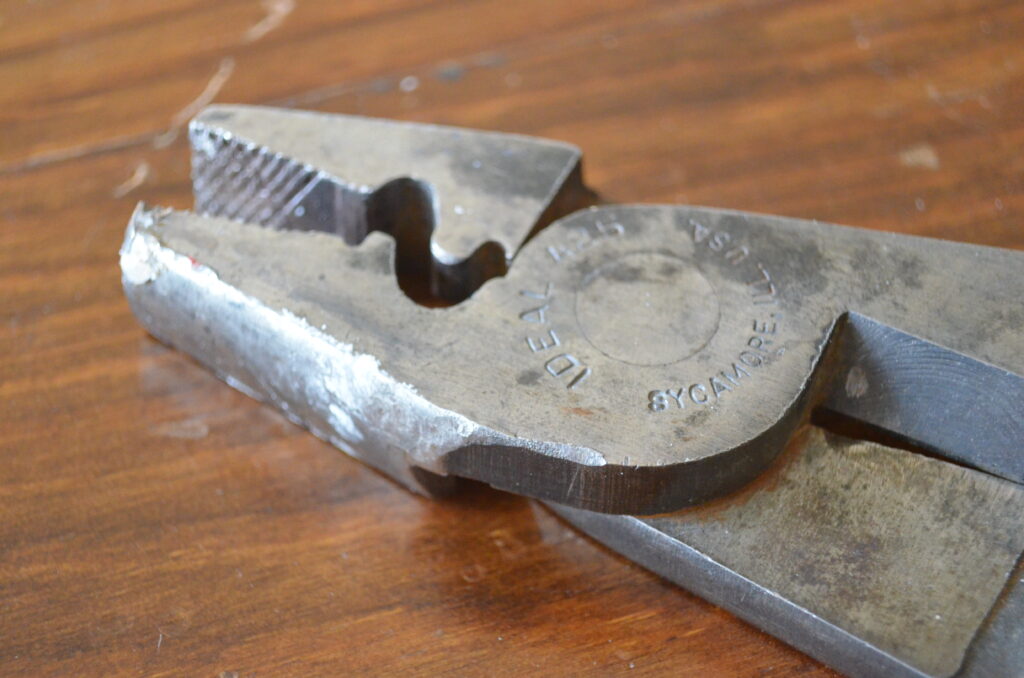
(665, 309)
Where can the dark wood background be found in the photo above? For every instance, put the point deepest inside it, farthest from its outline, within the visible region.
(154, 521)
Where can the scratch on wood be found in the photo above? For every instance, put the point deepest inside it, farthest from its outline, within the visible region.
(189, 429)
(508, 545)
(922, 155)
(181, 118)
(473, 573)
(277, 11)
(164, 139)
(75, 152)
(946, 101)
(633, 617)
(137, 178)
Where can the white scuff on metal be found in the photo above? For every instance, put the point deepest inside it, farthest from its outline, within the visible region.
(353, 388)
(343, 423)
(201, 138)
(139, 261)
(341, 395)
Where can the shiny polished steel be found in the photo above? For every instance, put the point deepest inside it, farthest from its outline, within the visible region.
(623, 359)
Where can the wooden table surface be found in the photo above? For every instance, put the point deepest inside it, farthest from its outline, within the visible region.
(155, 522)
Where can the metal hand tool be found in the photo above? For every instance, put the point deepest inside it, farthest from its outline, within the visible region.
(626, 360)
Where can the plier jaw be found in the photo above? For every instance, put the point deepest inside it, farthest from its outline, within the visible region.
(427, 299)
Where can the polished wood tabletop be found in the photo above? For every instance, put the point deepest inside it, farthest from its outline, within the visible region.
(153, 521)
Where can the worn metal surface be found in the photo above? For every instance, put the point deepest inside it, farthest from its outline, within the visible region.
(457, 216)
(704, 333)
(633, 359)
(876, 560)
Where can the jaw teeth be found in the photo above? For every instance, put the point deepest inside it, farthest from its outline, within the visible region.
(239, 180)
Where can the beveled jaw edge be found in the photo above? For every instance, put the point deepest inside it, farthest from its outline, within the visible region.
(202, 285)
(349, 398)
(183, 302)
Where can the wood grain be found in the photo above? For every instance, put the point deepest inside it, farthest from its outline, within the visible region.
(155, 522)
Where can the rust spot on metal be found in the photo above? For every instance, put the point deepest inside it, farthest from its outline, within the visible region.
(580, 411)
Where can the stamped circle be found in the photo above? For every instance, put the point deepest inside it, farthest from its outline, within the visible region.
(647, 308)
